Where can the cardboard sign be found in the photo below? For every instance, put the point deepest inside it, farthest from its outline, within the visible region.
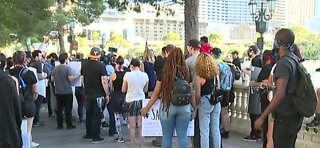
(151, 125)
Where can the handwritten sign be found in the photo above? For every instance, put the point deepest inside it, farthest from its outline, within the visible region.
(151, 125)
(75, 69)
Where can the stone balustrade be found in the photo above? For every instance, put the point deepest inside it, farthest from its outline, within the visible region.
(240, 121)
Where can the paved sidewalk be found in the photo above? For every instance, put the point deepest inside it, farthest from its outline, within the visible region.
(49, 137)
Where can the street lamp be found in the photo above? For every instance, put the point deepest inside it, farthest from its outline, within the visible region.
(28, 43)
(103, 40)
(260, 17)
(71, 38)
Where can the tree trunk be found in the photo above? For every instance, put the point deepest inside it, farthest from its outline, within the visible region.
(191, 23)
(61, 39)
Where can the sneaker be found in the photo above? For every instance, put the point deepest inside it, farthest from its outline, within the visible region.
(97, 140)
(119, 140)
(225, 135)
(71, 127)
(104, 125)
(313, 123)
(250, 139)
(87, 138)
(155, 143)
(34, 144)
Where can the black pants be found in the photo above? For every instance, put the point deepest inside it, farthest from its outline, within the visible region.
(93, 117)
(64, 102)
(112, 122)
(79, 95)
(264, 104)
(254, 132)
(285, 131)
(38, 103)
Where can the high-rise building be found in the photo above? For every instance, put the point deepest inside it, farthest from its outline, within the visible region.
(238, 12)
(317, 8)
(298, 11)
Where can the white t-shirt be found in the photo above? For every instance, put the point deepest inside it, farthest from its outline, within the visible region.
(136, 81)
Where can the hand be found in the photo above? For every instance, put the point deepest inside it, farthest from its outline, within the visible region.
(144, 111)
(258, 123)
(107, 99)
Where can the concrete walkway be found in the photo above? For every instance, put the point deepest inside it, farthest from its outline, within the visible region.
(49, 137)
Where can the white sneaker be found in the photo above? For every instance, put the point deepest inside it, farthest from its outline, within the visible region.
(34, 144)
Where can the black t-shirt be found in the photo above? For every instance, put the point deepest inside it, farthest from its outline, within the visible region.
(37, 65)
(237, 62)
(92, 72)
(286, 69)
(265, 72)
(158, 67)
(256, 61)
(28, 77)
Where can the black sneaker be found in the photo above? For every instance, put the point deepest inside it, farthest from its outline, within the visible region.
(104, 125)
(71, 127)
(313, 123)
(250, 139)
(60, 127)
(155, 143)
(119, 140)
(225, 135)
(87, 138)
(97, 140)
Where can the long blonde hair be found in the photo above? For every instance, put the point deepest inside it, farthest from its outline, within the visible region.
(206, 67)
(148, 55)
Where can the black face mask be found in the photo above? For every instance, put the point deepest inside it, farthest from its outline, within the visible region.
(249, 55)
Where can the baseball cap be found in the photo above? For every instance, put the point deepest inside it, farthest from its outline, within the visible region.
(254, 48)
(95, 52)
(194, 43)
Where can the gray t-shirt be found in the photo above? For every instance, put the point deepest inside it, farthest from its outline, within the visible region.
(286, 69)
(191, 63)
(62, 83)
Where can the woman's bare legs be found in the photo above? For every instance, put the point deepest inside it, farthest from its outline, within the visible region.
(132, 128)
(140, 131)
(225, 119)
(269, 135)
(29, 127)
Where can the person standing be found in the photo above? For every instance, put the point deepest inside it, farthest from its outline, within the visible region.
(209, 113)
(135, 89)
(236, 60)
(287, 121)
(254, 107)
(62, 76)
(10, 111)
(205, 46)
(38, 65)
(28, 81)
(96, 91)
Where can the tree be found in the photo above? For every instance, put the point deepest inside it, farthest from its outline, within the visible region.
(191, 13)
(84, 11)
(118, 41)
(23, 18)
(172, 38)
(215, 38)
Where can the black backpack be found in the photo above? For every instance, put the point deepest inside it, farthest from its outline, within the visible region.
(181, 93)
(304, 96)
(216, 95)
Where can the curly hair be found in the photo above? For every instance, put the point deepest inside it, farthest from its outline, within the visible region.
(175, 67)
(206, 67)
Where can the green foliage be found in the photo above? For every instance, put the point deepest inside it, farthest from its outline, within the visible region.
(95, 36)
(172, 38)
(215, 38)
(118, 41)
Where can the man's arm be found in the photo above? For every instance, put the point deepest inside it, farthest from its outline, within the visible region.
(277, 98)
(105, 87)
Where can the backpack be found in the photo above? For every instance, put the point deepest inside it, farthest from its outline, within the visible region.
(226, 77)
(237, 73)
(22, 88)
(216, 95)
(304, 96)
(181, 93)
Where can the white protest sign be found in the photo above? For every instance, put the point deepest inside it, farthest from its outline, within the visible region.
(151, 125)
(75, 69)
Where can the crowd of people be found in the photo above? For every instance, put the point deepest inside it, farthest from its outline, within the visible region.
(198, 87)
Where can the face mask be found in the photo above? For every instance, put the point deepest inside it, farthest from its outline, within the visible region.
(249, 54)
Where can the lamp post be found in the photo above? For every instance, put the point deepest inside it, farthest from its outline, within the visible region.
(103, 40)
(71, 37)
(260, 17)
(28, 43)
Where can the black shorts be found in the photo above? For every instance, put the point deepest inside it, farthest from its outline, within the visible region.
(28, 109)
(225, 99)
(135, 109)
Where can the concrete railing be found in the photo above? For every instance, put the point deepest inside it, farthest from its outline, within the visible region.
(240, 121)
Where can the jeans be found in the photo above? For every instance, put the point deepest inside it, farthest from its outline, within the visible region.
(93, 117)
(209, 116)
(285, 131)
(64, 102)
(178, 118)
(79, 95)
